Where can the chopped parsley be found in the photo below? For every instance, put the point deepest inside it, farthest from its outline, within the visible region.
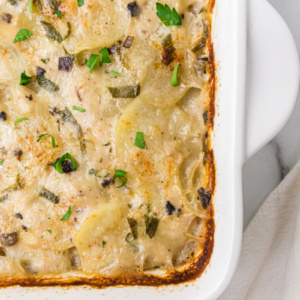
(174, 80)
(105, 57)
(139, 140)
(1, 162)
(80, 3)
(103, 243)
(120, 174)
(45, 60)
(22, 35)
(50, 231)
(45, 134)
(58, 13)
(66, 216)
(92, 61)
(21, 119)
(31, 6)
(167, 16)
(25, 79)
(114, 73)
(78, 108)
(58, 164)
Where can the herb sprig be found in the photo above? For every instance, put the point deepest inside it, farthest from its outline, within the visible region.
(66, 216)
(45, 134)
(167, 16)
(120, 174)
(139, 140)
(174, 80)
(58, 164)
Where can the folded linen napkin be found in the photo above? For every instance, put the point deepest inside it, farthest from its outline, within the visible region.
(269, 266)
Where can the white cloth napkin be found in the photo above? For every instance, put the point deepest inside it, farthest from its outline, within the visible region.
(269, 267)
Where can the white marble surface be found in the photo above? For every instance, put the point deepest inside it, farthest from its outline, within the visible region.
(265, 170)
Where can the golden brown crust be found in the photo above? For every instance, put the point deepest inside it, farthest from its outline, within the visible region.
(195, 269)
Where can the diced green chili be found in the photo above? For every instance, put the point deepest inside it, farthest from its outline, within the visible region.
(133, 224)
(125, 91)
(47, 84)
(200, 45)
(48, 195)
(4, 198)
(67, 116)
(95, 173)
(54, 4)
(38, 4)
(13, 2)
(18, 185)
(53, 34)
(151, 225)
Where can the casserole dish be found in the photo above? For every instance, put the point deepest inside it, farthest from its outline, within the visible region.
(228, 142)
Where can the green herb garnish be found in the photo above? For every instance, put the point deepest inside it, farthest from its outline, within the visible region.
(21, 119)
(66, 216)
(58, 13)
(114, 73)
(50, 231)
(25, 79)
(167, 16)
(78, 108)
(92, 61)
(45, 134)
(31, 6)
(105, 57)
(174, 80)
(58, 164)
(103, 243)
(80, 3)
(120, 174)
(1, 162)
(22, 35)
(139, 140)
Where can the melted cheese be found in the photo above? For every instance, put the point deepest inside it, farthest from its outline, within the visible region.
(96, 238)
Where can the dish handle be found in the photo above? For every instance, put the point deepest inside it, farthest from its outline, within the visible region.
(272, 75)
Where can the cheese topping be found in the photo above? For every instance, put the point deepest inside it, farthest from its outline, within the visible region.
(104, 136)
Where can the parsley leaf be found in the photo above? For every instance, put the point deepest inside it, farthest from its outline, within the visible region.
(78, 108)
(50, 231)
(80, 3)
(1, 162)
(45, 134)
(25, 79)
(174, 81)
(105, 57)
(66, 216)
(167, 16)
(120, 174)
(103, 243)
(92, 61)
(22, 35)
(21, 119)
(31, 6)
(58, 13)
(139, 140)
(114, 73)
(58, 164)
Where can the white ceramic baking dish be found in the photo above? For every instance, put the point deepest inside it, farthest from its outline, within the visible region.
(242, 126)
